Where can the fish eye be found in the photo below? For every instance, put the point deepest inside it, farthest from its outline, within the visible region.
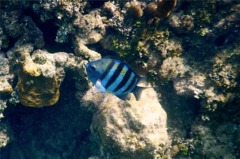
(92, 67)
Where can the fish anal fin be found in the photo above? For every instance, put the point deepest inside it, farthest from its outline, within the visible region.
(124, 97)
(138, 91)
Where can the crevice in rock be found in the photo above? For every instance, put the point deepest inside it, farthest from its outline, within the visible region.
(219, 41)
(49, 30)
(96, 3)
(51, 129)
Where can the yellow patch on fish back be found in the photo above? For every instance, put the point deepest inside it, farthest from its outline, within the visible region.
(115, 66)
(123, 72)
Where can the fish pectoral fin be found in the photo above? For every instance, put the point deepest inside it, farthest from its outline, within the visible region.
(100, 87)
(138, 91)
(124, 97)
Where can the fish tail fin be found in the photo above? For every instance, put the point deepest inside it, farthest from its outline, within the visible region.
(138, 91)
(144, 83)
(142, 80)
(124, 97)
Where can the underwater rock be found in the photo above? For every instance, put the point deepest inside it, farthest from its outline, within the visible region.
(214, 143)
(3, 106)
(181, 23)
(5, 76)
(198, 86)
(231, 21)
(225, 71)
(106, 42)
(171, 48)
(110, 8)
(5, 134)
(89, 27)
(91, 98)
(134, 9)
(134, 129)
(22, 28)
(35, 89)
(193, 86)
(6, 79)
(160, 9)
(61, 9)
(41, 85)
(173, 67)
(11, 23)
(150, 10)
(5, 87)
(164, 7)
(218, 86)
(41, 74)
(82, 50)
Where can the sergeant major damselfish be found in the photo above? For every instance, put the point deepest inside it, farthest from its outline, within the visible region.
(114, 76)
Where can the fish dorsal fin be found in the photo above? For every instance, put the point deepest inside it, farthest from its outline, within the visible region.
(138, 91)
(100, 87)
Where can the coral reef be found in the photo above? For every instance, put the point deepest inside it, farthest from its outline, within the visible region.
(6, 79)
(135, 9)
(5, 135)
(181, 23)
(222, 137)
(188, 50)
(40, 75)
(165, 7)
(89, 28)
(18, 26)
(5, 76)
(160, 9)
(37, 86)
(173, 68)
(219, 86)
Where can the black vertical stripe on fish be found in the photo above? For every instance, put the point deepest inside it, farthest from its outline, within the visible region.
(124, 80)
(131, 84)
(111, 64)
(115, 75)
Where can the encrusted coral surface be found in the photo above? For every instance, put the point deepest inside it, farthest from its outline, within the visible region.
(188, 50)
(134, 128)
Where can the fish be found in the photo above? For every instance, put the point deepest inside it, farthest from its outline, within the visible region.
(114, 76)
